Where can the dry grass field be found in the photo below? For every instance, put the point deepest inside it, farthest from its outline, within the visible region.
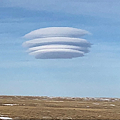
(27, 107)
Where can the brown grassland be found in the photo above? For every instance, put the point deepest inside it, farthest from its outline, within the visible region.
(28, 107)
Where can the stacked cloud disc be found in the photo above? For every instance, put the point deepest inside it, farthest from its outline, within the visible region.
(57, 42)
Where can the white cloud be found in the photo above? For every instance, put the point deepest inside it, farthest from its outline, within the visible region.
(57, 42)
(57, 53)
(56, 32)
(84, 49)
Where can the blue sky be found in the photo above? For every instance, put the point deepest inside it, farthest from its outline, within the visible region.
(94, 75)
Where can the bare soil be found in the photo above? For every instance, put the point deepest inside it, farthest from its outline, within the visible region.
(27, 107)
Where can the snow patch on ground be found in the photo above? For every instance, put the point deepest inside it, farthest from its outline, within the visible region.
(10, 104)
(112, 105)
(5, 118)
(96, 103)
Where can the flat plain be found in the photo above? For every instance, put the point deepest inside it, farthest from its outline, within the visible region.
(35, 107)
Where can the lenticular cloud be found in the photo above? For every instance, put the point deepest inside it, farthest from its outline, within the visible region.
(57, 43)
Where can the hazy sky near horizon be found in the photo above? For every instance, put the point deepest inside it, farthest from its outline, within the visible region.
(97, 74)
